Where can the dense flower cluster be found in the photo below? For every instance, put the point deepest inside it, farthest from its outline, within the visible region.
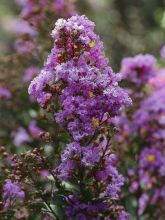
(98, 164)
(138, 73)
(138, 69)
(77, 73)
(148, 122)
(86, 105)
(81, 52)
(141, 132)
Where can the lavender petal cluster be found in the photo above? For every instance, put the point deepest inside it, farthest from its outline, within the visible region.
(144, 128)
(22, 136)
(77, 74)
(138, 69)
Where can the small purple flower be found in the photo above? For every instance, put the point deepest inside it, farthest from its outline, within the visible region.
(21, 137)
(30, 73)
(114, 188)
(123, 216)
(4, 93)
(34, 130)
(150, 158)
(134, 186)
(12, 193)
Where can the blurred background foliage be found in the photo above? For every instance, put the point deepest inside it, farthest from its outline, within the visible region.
(127, 27)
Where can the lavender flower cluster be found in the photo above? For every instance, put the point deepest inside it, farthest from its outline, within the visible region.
(88, 93)
(152, 111)
(143, 128)
(138, 69)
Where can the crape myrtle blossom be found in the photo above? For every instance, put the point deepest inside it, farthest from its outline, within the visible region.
(77, 74)
(12, 193)
(138, 69)
(151, 159)
(141, 135)
(87, 98)
(148, 125)
(34, 130)
(149, 119)
(75, 157)
(5, 93)
(23, 136)
(90, 87)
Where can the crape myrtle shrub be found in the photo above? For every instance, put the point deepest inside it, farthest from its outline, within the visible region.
(79, 91)
(71, 145)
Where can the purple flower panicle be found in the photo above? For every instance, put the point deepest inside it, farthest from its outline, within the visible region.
(77, 74)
